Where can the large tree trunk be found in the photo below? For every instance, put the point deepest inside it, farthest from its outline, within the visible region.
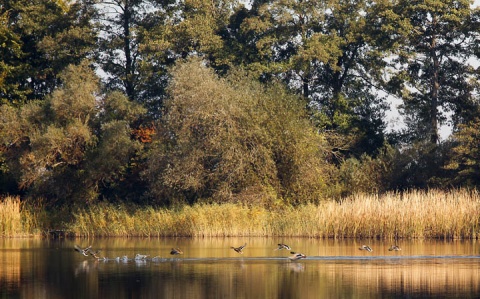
(435, 86)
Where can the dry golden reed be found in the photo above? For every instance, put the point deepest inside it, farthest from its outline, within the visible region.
(414, 214)
(12, 218)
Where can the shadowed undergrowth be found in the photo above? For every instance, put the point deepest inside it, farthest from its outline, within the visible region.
(415, 214)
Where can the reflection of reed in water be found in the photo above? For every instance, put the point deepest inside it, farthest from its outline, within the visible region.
(10, 269)
(296, 267)
(84, 267)
(422, 277)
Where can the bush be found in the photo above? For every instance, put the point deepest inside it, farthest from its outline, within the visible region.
(232, 140)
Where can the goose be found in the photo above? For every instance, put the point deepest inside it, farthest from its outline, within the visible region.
(296, 256)
(366, 247)
(239, 249)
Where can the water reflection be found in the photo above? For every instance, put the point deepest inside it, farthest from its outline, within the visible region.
(209, 268)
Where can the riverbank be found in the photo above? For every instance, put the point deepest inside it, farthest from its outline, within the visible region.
(414, 214)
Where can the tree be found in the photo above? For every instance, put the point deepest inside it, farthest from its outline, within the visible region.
(220, 141)
(134, 52)
(40, 38)
(432, 63)
(289, 40)
(119, 21)
(465, 155)
(177, 30)
(10, 50)
(327, 51)
(72, 145)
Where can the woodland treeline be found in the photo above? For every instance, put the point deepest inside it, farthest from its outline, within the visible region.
(265, 102)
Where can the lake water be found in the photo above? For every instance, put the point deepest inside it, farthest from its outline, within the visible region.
(38, 268)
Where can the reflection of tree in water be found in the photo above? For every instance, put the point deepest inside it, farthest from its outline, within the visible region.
(61, 273)
(11, 268)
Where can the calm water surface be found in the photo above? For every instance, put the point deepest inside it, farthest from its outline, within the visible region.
(31, 268)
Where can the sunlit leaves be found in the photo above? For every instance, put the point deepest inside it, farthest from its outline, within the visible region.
(222, 138)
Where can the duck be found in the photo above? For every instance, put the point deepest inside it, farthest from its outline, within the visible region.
(296, 256)
(394, 248)
(95, 253)
(84, 251)
(176, 251)
(239, 249)
(366, 247)
(156, 258)
(283, 246)
(140, 256)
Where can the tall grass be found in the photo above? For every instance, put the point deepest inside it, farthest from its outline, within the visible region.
(16, 221)
(415, 214)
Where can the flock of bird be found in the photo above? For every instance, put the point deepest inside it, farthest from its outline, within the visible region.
(88, 251)
(369, 249)
(295, 255)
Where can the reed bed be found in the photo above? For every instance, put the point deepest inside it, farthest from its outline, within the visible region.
(414, 214)
(15, 221)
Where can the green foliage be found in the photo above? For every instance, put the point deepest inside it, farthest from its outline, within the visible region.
(177, 30)
(327, 51)
(73, 142)
(38, 39)
(234, 140)
(10, 50)
(432, 62)
(465, 155)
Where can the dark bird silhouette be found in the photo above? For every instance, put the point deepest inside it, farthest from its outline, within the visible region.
(239, 249)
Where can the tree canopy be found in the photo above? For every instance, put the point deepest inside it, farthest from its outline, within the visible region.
(270, 102)
(234, 139)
